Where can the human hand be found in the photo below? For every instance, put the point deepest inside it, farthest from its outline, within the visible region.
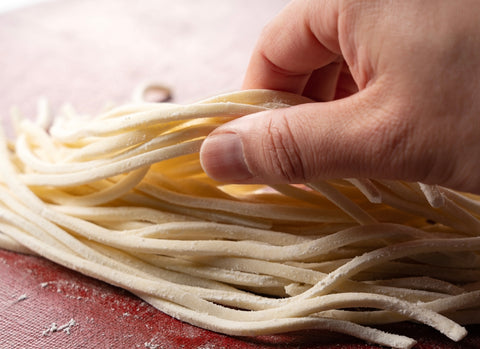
(398, 85)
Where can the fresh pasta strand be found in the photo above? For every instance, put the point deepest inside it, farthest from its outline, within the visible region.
(122, 197)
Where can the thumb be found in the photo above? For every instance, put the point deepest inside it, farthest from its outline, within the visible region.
(338, 139)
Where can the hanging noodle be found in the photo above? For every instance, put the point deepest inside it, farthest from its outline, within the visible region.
(122, 198)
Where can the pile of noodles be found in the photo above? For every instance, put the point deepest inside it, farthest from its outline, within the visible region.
(122, 197)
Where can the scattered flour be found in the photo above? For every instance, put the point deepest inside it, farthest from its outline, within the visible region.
(65, 328)
(22, 297)
(151, 345)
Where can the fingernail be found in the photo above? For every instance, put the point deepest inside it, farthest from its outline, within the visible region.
(222, 158)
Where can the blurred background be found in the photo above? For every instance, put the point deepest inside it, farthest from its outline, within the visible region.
(89, 52)
(9, 5)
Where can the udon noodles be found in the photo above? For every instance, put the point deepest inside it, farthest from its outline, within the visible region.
(122, 197)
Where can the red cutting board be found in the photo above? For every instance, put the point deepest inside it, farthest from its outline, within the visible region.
(35, 294)
(89, 52)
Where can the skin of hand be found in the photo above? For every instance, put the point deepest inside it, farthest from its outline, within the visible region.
(397, 91)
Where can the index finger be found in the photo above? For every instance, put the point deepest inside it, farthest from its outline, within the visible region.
(300, 39)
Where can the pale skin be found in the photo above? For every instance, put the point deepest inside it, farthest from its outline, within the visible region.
(397, 91)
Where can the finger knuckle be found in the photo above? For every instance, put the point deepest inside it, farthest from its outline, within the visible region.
(282, 152)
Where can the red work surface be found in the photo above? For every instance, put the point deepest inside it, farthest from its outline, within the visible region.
(88, 52)
(35, 294)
